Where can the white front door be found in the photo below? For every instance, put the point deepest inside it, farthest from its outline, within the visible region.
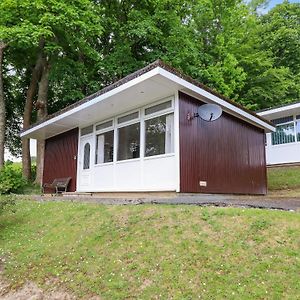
(85, 162)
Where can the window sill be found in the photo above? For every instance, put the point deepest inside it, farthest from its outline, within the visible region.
(159, 156)
(104, 164)
(284, 145)
(128, 160)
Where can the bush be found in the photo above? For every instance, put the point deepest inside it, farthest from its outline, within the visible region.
(11, 180)
(7, 203)
(33, 172)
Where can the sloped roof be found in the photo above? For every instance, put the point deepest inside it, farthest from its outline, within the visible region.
(136, 74)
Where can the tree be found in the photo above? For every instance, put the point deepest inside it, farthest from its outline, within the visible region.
(273, 72)
(46, 30)
(2, 107)
(227, 45)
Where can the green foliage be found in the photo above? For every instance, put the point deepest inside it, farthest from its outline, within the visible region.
(253, 59)
(11, 180)
(7, 203)
(260, 224)
(59, 30)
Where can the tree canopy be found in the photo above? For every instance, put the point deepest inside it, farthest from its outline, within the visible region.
(252, 58)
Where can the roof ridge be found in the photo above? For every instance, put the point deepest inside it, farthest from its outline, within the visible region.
(137, 73)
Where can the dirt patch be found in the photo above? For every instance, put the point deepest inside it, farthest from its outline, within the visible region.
(30, 291)
(146, 283)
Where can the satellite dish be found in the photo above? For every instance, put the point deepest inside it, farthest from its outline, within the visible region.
(209, 112)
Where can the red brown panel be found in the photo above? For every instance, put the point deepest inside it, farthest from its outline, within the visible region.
(61, 158)
(229, 154)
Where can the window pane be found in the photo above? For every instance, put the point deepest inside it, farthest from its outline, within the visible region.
(298, 130)
(86, 130)
(284, 134)
(282, 120)
(104, 125)
(105, 147)
(129, 142)
(158, 107)
(159, 135)
(129, 117)
(86, 156)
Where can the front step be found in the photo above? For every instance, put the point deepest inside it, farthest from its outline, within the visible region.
(120, 195)
(75, 194)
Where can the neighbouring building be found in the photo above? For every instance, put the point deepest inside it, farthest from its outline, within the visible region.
(137, 135)
(283, 145)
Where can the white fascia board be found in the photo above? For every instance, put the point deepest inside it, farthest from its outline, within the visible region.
(145, 76)
(279, 109)
(87, 104)
(216, 99)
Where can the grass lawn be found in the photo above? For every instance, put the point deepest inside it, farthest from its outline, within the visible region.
(284, 178)
(153, 252)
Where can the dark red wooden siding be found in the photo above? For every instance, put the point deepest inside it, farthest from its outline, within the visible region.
(61, 158)
(229, 154)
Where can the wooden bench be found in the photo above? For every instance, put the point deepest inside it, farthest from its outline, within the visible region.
(59, 184)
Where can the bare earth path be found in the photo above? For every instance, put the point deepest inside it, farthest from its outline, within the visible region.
(264, 202)
(30, 291)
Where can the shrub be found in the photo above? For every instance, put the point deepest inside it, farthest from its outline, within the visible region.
(33, 172)
(11, 180)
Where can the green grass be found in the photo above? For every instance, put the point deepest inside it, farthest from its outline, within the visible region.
(284, 178)
(153, 252)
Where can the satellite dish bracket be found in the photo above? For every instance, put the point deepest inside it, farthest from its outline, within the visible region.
(211, 114)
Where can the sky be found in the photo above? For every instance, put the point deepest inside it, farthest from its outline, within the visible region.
(272, 3)
(7, 155)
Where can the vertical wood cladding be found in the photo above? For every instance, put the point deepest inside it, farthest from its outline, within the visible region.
(229, 154)
(61, 158)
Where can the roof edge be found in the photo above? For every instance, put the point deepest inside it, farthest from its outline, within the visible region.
(136, 74)
(282, 107)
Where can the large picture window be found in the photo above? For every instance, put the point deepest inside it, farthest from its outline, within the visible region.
(105, 147)
(284, 134)
(159, 135)
(129, 142)
(118, 138)
(287, 130)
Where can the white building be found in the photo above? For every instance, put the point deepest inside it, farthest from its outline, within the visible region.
(142, 133)
(283, 146)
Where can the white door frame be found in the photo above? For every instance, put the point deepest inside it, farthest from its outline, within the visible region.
(84, 175)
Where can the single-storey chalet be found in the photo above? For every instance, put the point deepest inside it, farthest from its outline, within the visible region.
(283, 146)
(142, 134)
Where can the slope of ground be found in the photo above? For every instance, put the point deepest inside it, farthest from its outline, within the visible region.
(284, 181)
(151, 251)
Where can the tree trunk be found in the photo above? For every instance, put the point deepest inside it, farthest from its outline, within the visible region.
(42, 112)
(2, 108)
(26, 159)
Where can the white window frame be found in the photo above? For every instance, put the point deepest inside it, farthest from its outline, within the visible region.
(160, 112)
(124, 124)
(167, 111)
(141, 120)
(99, 132)
(88, 134)
(109, 128)
(294, 121)
(132, 121)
